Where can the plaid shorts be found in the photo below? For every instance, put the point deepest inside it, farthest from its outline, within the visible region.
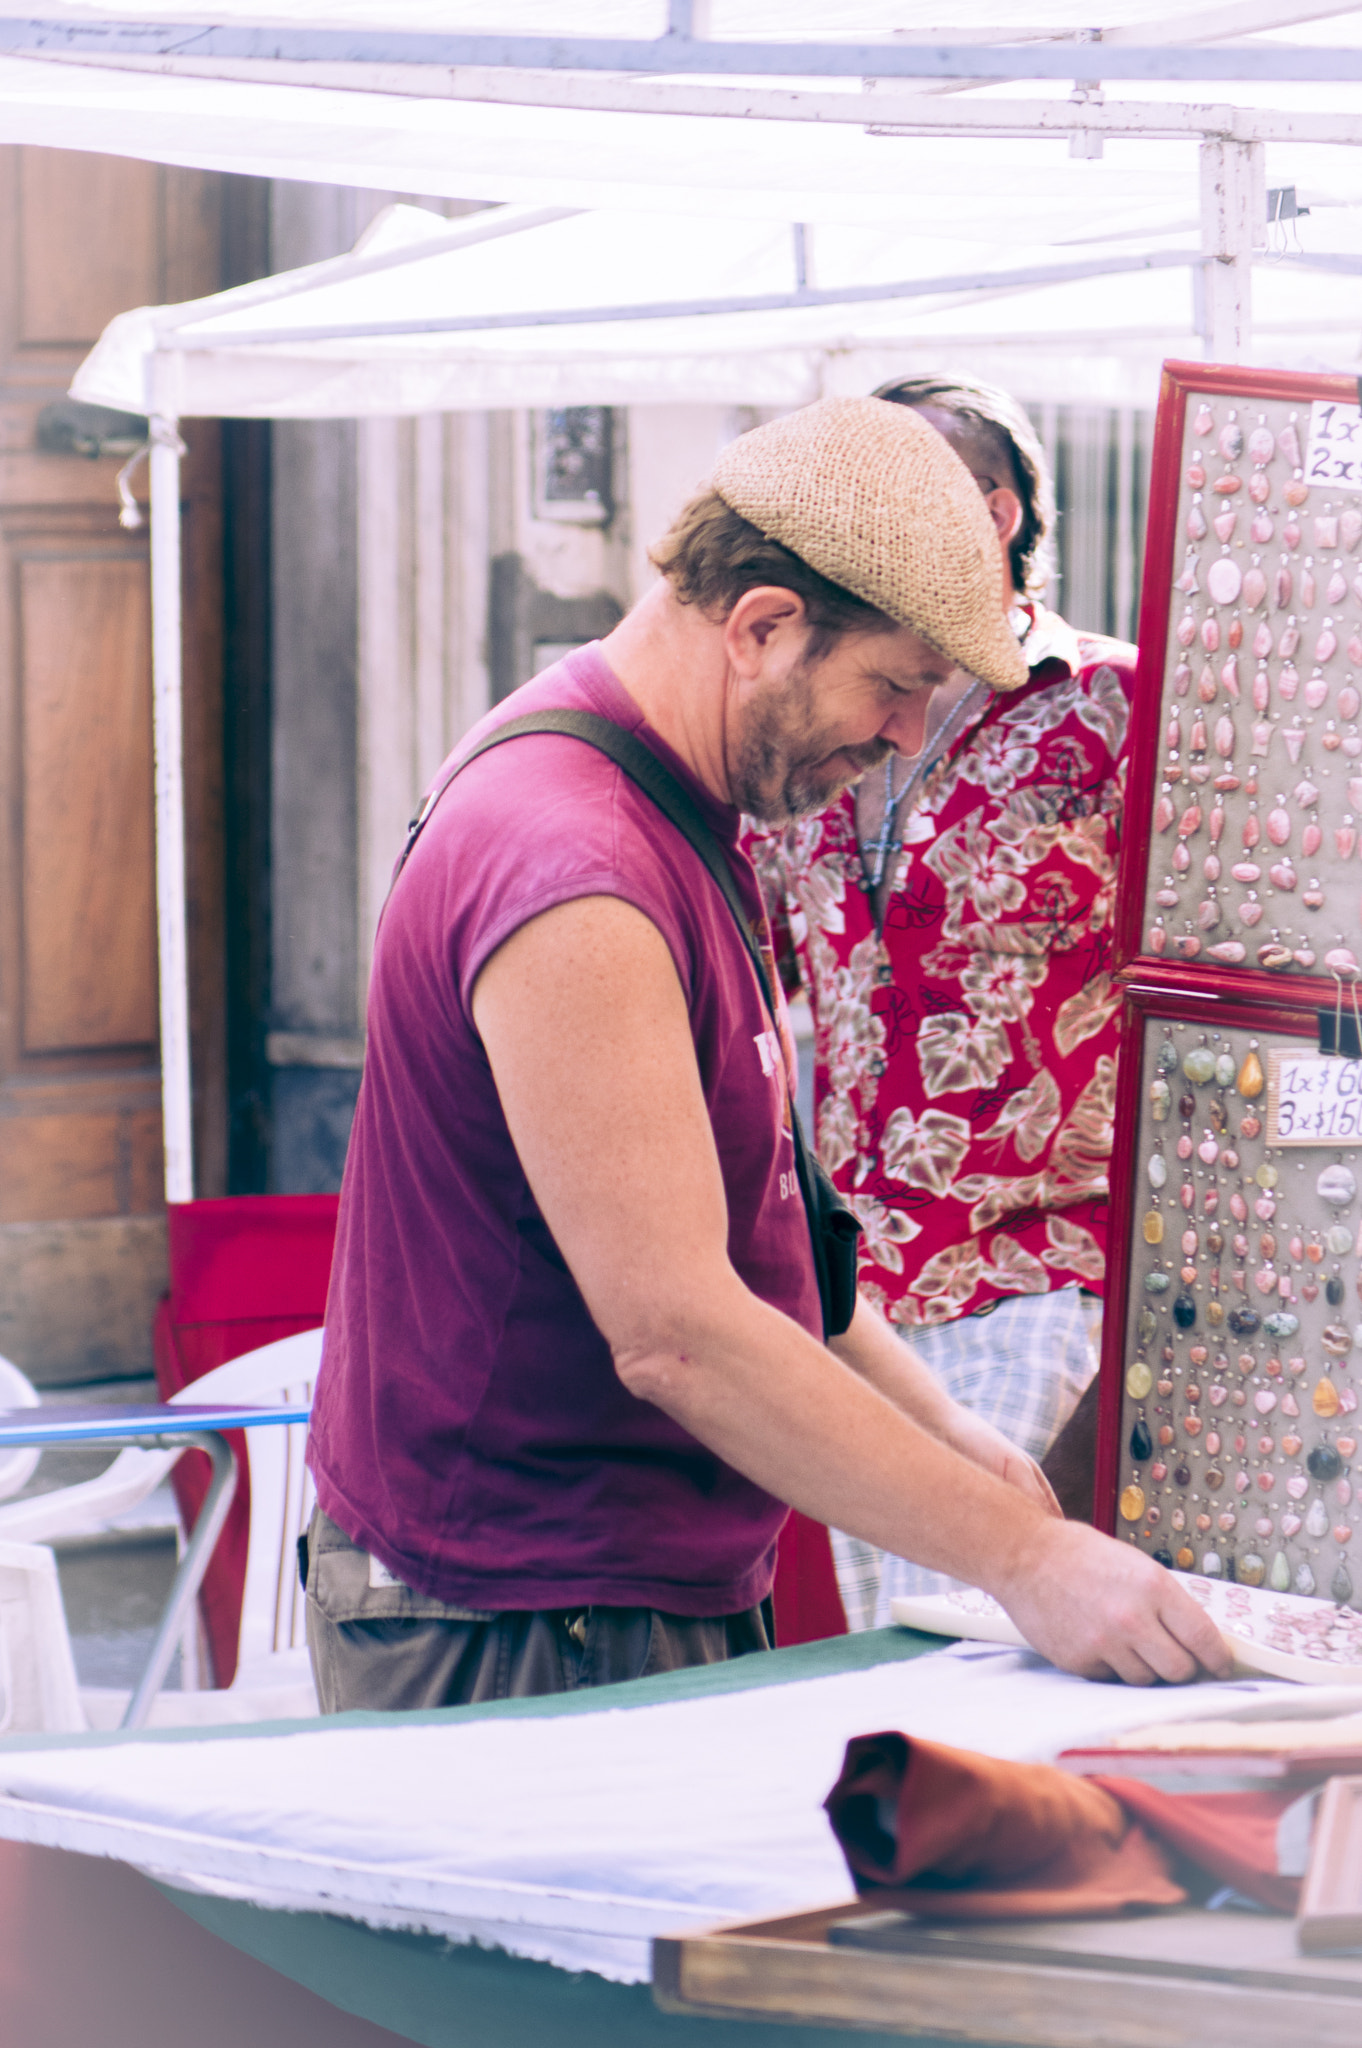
(1022, 1367)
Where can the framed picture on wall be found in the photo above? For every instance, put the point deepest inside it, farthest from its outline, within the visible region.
(574, 456)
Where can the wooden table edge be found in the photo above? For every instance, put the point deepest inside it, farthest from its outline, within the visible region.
(784, 1971)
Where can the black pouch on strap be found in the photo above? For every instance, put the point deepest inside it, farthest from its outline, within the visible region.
(833, 1228)
(836, 1232)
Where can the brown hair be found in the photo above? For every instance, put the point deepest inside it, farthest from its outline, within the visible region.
(712, 556)
(999, 422)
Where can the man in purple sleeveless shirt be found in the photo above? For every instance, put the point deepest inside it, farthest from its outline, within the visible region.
(574, 1364)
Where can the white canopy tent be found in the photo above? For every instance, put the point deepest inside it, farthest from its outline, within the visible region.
(849, 205)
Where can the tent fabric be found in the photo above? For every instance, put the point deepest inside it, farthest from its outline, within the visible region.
(755, 169)
(237, 355)
(573, 1840)
(878, 208)
(318, 342)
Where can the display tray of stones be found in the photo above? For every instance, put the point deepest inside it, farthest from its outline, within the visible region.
(1271, 1635)
(1239, 1422)
(1256, 832)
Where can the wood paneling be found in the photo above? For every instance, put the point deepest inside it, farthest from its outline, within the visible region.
(103, 216)
(77, 1298)
(79, 1166)
(89, 918)
(81, 239)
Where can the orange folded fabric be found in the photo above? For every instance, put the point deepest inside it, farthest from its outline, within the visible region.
(954, 1835)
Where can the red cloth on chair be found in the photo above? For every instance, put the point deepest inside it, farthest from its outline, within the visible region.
(807, 1603)
(244, 1271)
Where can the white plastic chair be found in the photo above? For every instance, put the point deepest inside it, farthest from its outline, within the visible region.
(38, 1688)
(273, 1642)
(273, 1677)
(17, 1467)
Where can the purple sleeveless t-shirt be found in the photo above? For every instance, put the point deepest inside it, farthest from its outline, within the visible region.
(470, 1430)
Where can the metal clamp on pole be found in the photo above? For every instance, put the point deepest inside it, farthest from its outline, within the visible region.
(1340, 1030)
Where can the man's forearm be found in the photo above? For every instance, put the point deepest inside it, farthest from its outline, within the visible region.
(872, 1349)
(818, 1432)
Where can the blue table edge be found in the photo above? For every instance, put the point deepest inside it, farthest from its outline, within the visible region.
(112, 1422)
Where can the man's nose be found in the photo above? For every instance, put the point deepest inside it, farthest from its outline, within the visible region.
(906, 726)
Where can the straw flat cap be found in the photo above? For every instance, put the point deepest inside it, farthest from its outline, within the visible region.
(875, 499)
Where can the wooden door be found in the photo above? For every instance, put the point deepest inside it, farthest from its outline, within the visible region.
(81, 1230)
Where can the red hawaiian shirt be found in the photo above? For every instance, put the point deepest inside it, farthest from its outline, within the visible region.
(966, 1056)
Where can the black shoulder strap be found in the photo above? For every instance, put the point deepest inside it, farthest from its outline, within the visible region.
(642, 766)
(833, 1230)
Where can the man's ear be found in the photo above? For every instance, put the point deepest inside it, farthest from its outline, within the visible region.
(757, 625)
(1005, 510)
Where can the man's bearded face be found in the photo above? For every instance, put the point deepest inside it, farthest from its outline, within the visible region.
(791, 759)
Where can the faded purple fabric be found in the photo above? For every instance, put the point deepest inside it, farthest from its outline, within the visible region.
(470, 1430)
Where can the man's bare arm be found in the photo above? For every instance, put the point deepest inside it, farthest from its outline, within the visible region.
(584, 1023)
(871, 1349)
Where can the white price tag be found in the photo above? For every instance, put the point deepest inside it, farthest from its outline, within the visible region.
(1333, 456)
(1313, 1100)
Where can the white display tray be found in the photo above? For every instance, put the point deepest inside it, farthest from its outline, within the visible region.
(1258, 1626)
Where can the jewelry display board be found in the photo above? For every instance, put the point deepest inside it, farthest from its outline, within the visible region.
(1232, 1365)
(1244, 816)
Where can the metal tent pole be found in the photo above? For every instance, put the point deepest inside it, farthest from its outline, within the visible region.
(167, 725)
(1233, 225)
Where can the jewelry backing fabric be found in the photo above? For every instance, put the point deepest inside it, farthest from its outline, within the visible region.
(1255, 851)
(1239, 1421)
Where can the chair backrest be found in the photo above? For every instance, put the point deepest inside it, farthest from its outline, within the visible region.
(38, 1688)
(282, 1494)
(17, 1467)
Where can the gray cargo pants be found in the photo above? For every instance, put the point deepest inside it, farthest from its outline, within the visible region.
(375, 1643)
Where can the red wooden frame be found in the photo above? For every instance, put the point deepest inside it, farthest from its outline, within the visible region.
(1186, 1003)
(1160, 559)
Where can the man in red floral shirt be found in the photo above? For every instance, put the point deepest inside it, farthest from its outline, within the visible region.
(951, 918)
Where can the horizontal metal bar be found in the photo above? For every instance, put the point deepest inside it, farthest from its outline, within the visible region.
(683, 309)
(1273, 64)
(489, 225)
(895, 112)
(1341, 266)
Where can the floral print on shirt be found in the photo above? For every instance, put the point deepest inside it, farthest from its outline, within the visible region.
(966, 1056)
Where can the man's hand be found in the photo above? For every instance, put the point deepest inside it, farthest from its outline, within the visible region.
(1105, 1610)
(988, 1448)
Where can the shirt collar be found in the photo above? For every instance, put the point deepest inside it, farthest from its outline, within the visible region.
(1048, 638)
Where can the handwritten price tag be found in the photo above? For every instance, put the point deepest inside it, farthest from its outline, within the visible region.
(1334, 452)
(1312, 1100)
